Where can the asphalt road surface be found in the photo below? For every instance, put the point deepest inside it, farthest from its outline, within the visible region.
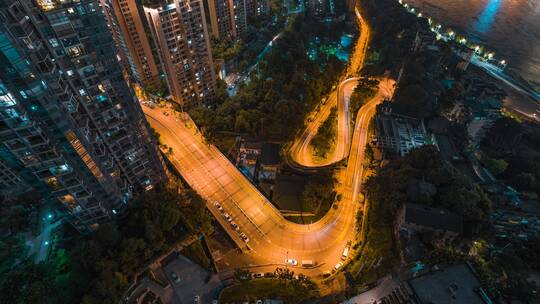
(272, 238)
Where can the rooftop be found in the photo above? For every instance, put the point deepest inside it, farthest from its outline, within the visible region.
(270, 154)
(453, 284)
(481, 106)
(436, 218)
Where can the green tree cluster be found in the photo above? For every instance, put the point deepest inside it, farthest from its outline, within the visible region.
(511, 151)
(319, 193)
(156, 221)
(392, 33)
(363, 92)
(282, 285)
(324, 141)
(281, 90)
(97, 269)
(424, 177)
(226, 48)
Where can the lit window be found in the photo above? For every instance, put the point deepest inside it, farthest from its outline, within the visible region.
(53, 42)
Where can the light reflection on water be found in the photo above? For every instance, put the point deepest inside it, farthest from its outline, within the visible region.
(510, 27)
(486, 19)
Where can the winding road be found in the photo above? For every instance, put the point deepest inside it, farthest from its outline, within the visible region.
(301, 155)
(272, 238)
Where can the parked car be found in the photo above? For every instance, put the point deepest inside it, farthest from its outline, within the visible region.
(218, 206)
(227, 217)
(338, 265)
(345, 253)
(307, 263)
(244, 237)
(197, 299)
(258, 275)
(291, 262)
(235, 226)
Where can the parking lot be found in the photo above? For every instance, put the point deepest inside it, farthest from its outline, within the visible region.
(193, 280)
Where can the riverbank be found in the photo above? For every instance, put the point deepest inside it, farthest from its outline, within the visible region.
(523, 98)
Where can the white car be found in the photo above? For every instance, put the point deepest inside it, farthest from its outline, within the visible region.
(235, 226)
(291, 262)
(218, 206)
(227, 217)
(338, 265)
(197, 299)
(258, 275)
(244, 237)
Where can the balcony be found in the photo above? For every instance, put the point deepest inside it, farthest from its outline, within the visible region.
(60, 170)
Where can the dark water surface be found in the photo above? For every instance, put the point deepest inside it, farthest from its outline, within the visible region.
(510, 27)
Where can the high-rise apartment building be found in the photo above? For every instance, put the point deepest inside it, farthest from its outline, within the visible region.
(180, 33)
(70, 127)
(317, 7)
(257, 8)
(129, 33)
(228, 18)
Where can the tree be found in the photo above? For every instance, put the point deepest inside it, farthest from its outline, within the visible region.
(387, 189)
(319, 193)
(413, 100)
(324, 140)
(503, 138)
(30, 283)
(495, 166)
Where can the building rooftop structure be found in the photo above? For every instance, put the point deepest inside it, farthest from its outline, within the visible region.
(432, 217)
(453, 284)
(398, 134)
(484, 107)
(270, 154)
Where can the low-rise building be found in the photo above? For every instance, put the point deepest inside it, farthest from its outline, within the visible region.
(397, 135)
(442, 225)
(454, 284)
(269, 161)
(484, 112)
(250, 152)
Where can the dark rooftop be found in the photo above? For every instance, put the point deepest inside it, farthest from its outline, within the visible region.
(454, 284)
(436, 218)
(270, 154)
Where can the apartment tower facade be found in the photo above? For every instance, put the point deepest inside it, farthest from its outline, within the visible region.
(228, 18)
(70, 127)
(257, 8)
(317, 8)
(133, 45)
(179, 31)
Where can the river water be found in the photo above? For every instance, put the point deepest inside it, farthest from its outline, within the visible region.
(510, 27)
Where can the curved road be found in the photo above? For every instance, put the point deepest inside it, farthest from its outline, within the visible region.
(301, 155)
(272, 238)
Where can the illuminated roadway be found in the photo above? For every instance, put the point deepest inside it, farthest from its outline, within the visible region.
(272, 238)
(300, 153)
